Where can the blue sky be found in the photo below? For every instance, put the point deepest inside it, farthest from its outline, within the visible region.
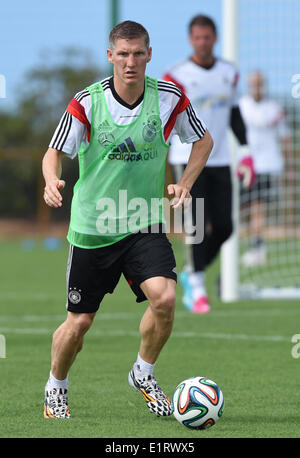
(269, 35)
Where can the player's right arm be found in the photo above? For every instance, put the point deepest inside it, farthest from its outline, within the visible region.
(72, 130)
(52, 168)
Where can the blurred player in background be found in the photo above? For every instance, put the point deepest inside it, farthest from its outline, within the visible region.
(268, 138)
(211, 85)
(120, 129)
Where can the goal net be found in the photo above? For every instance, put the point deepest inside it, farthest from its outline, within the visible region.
(266, 249)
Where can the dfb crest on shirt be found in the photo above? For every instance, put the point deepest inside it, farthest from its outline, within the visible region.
(151, 128)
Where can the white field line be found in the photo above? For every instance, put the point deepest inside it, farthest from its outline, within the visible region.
(114, 316)
(175, 334)
(7, 324)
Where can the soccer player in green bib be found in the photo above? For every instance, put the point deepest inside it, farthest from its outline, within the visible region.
(120, 128)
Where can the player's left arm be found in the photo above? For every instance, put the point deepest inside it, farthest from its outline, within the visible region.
(184, 121)
(245, 167)
(238, 125)
(200, 152)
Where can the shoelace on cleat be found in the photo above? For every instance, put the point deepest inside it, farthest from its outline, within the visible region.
(150, 385)
(58, 400)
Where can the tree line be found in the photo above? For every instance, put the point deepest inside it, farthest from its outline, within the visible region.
(25, 132)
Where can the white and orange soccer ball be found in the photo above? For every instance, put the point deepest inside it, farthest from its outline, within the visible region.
(198, 403)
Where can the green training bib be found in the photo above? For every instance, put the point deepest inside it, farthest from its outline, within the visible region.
(121, 174)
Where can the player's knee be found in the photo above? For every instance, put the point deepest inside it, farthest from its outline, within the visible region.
(81, 324)
(84, 322)
(164, 304)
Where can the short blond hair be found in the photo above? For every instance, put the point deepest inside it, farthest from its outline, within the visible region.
(128, 30)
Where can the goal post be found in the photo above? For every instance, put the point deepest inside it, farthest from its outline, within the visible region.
(229, 251)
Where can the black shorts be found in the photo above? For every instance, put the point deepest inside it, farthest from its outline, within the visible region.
(91, 273)
(265, 189)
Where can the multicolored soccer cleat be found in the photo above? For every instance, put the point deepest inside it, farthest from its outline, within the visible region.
(56, 403)
(155, 398)
(201, 304)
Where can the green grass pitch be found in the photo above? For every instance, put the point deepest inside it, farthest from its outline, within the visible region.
(245, 347)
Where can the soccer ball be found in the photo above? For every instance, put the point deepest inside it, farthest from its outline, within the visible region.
(198, 403)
